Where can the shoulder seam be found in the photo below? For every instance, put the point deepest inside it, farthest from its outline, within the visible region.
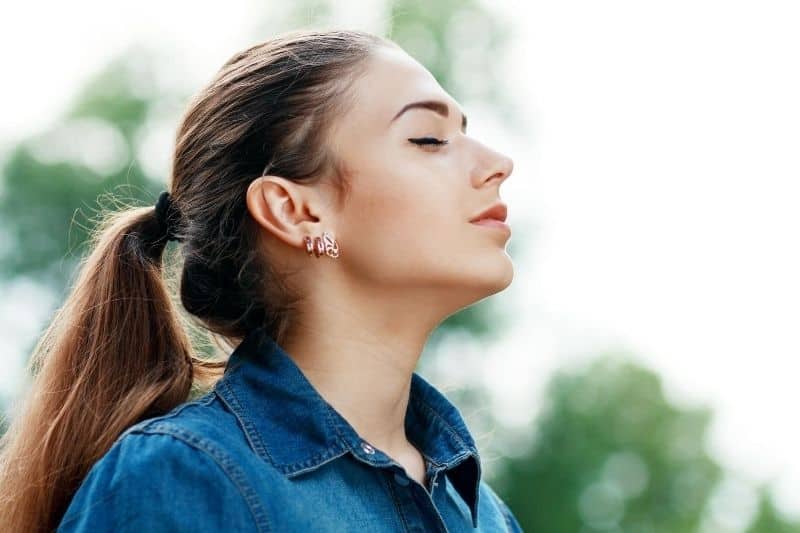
(223, 460)
(204, 400)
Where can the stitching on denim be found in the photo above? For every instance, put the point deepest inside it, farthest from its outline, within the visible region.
(225, 462)
(250, 431)
(254, 438)
(334, 423)
(328, 454)
(448, 426)
(313, 465)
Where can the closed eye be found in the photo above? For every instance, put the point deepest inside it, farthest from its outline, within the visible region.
(422, 141)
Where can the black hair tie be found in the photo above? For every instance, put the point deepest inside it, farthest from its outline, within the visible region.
(166, 216)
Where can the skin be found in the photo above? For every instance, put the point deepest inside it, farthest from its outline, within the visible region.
(408, 259)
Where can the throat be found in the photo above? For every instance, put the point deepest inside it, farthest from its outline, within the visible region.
(415, 466)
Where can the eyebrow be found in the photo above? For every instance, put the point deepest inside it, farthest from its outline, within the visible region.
(436, 106)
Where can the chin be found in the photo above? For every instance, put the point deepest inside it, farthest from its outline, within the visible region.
(507, 278)
(496, 277)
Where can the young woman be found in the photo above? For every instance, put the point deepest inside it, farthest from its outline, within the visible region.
(331, 211)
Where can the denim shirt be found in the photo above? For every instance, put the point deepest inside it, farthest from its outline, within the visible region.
(263, 451)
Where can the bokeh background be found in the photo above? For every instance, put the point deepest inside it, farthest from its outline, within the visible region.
(640, 374)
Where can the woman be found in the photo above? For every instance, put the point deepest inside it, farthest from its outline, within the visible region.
(319, 422)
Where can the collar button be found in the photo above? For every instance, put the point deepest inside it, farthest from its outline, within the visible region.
(400, 479)
(367, 448)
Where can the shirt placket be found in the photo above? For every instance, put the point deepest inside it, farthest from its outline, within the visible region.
(414, 502)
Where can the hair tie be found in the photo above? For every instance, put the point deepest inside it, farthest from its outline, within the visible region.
(165, 211)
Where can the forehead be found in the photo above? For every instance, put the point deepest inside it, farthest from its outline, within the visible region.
(391, 80)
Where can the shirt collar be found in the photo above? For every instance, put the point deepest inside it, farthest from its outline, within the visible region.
(288, 423)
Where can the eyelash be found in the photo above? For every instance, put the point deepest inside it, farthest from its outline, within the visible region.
(428, 141)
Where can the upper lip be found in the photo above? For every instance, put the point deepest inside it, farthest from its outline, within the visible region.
(498, 211)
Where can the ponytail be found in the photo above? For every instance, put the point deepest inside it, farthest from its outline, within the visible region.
(115, 353)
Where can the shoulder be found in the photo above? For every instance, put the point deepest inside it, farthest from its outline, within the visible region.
(489, 493)
(169, 473)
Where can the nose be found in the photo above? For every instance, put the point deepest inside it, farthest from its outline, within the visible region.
(499, 168)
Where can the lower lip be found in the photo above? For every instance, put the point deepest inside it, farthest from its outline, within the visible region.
(493, 223)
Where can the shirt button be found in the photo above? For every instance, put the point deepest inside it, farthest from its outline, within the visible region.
(401, 479)
(367, 448)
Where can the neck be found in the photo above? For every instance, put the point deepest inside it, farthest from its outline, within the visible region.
(359, 354)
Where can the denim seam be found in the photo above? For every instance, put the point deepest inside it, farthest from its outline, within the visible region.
(254, 438)
(313, 464)
(450, 428)
(224, 461)
(326, 455)
(250, 432)
(397, 504)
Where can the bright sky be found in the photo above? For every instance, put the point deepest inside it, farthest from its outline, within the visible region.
(657, 189)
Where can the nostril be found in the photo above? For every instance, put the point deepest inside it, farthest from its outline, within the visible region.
(505, 169)
(498, 175)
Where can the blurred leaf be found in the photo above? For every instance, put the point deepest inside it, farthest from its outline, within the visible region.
(52, 181)
(769, 520)
(611, 452)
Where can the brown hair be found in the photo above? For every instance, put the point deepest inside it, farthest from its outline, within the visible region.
(117, 351)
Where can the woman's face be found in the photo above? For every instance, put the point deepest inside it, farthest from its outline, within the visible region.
(406, 222)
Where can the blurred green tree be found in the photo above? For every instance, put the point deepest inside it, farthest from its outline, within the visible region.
(88, 152)
(769, 519)
(610, 453)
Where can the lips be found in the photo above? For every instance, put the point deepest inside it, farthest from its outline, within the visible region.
(498, 211)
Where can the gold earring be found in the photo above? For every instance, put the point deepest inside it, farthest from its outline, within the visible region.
(326, 245)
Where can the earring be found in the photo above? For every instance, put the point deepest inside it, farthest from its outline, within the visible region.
(326, 245)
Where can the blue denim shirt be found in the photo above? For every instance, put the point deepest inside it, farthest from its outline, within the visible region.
(263, 451)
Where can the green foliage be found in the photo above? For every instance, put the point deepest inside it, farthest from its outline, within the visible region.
(455, 39)
(611, 452)
(87, 153)
(769, 520)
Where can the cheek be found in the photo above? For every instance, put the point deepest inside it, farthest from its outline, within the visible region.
(399, 227)
(410, 229)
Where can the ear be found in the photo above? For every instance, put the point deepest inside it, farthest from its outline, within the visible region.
(284, 208)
